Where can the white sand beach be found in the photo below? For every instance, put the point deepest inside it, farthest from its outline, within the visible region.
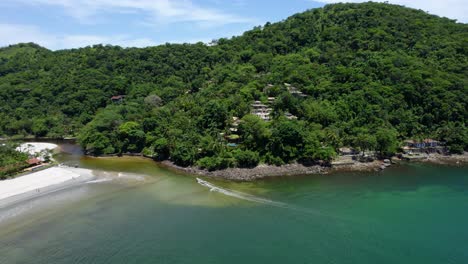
(41, 182)
(36, 147)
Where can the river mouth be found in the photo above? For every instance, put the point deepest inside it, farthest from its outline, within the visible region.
(112, 176)
(137, 212)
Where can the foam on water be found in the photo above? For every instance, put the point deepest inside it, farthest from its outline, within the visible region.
(240, 195)
(103, 177)
(131, 176)
(99, 181)
(256, 199)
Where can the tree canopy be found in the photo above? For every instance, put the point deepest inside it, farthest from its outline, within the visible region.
(365, 75)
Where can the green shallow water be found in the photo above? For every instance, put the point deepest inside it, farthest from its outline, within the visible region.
(407, 214)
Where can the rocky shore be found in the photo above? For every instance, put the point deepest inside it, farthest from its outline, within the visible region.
(251, 174)
(376, 165)
(267, 171)
(296, 169)
(343, 164)
(445, 159)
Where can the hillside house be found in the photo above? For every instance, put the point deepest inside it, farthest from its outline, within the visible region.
(271, 100)
(234, 138)
(290, 116)
(268, 88)
(235, 124)
(34, 162)
(261, 110)
(294, 91)
(117, 98)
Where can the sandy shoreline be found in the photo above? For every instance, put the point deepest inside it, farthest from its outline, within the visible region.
(61, 177)
(40, 183)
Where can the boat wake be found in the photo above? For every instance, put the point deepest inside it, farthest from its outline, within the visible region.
(256, 199)
(240, 195)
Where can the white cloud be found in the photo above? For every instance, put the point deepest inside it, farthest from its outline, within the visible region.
(454, 9)
(14, 33)
(76, 41)
(152, 11)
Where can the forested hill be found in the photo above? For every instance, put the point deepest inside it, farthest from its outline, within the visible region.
(364, 75)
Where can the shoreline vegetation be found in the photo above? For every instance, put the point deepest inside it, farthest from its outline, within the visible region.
(19, 159)
(268, 171)
(367, 79)
(365, 76)
(59, 177)
(296, 169)
(262, 170)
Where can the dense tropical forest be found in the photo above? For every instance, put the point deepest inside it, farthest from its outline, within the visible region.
(364, 75)
(11, 160)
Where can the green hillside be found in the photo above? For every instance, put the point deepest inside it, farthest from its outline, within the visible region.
(364, 75)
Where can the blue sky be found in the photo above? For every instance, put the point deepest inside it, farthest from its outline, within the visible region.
(62, 24)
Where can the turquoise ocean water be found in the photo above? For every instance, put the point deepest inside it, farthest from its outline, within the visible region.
(407, 214)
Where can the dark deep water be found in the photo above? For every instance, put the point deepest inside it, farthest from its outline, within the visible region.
(407, 214)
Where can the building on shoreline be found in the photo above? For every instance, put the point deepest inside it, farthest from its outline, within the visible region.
(347, 151)
(34, 161)
(423, 146)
